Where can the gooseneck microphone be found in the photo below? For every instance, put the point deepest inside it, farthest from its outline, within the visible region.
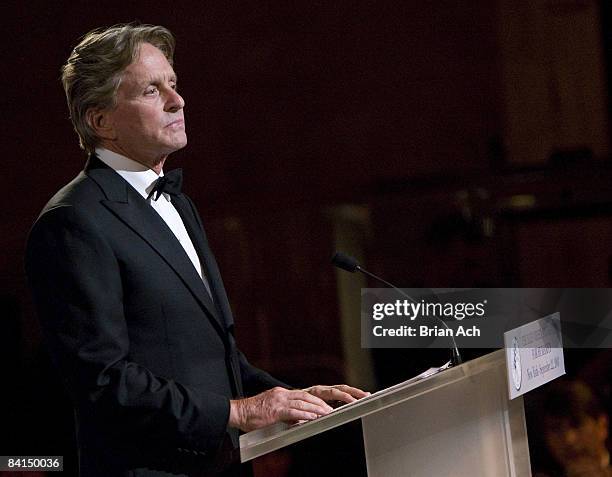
(348, 263)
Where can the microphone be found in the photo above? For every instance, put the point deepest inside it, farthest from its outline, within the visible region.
(345, 262)
(350, 264)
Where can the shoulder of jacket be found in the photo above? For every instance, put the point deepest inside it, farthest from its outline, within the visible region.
(81, 192)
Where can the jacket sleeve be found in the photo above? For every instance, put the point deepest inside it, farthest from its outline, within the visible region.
(256, 380)
(77, 287)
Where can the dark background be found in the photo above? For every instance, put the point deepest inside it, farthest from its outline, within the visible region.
(447, 144)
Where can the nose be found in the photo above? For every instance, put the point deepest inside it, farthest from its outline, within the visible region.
(174, 101)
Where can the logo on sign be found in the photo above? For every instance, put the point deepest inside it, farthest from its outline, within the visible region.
(517, 373)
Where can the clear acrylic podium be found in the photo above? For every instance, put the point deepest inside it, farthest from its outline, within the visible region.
(459, 422)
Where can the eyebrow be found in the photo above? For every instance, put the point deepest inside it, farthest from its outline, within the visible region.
(156, 79)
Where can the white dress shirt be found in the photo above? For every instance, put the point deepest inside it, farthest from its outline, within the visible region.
(143, 179)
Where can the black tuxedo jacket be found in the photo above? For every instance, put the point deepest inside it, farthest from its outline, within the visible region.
(148, 357)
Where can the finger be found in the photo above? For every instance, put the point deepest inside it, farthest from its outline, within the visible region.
(355, 392)
(323, 392)
(309, 407)
(332, 393)
(295, 423)
(298, 415)
(344, 393)
(338, 395)
(311, 398)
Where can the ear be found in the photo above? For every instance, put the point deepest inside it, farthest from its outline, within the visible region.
(101, 121)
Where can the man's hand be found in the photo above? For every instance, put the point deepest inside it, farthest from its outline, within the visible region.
(279, 404)
(339, 392)
(274, 405)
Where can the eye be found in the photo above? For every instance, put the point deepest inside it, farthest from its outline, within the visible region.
(151, 90)
(174, 86)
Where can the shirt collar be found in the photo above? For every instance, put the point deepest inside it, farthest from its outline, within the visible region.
(139, 176)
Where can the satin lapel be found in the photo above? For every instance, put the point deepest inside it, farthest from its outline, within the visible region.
(194, 227)
(134, 211)
(196, 232)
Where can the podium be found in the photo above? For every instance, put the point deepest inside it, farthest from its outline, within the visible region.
(457, 422)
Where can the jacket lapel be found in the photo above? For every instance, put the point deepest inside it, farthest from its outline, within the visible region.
(193, 224)
(194, 227)
(133, 210)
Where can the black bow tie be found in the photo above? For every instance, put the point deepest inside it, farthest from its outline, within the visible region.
(170, 183)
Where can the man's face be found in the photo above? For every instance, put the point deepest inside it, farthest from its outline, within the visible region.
(148, 121)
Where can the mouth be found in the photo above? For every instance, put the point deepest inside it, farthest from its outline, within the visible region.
(175, 124)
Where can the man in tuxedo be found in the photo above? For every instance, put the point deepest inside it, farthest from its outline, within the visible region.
(131, 302)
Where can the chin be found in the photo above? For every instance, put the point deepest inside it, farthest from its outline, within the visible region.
(176, 145)
(182, 144)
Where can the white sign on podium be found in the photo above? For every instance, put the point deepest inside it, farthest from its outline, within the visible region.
(534, 354)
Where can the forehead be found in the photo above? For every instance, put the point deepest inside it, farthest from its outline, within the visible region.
(150, 64)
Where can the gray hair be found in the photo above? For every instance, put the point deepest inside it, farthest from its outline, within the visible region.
(92, 74)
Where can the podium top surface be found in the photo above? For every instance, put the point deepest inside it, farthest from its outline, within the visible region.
(261, 441)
